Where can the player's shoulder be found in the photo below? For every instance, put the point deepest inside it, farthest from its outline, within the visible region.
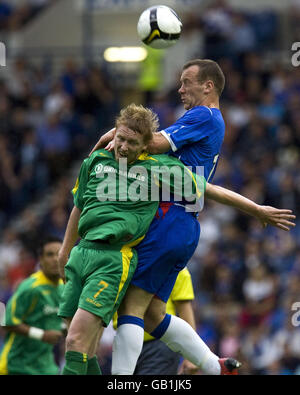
(100, 153)
(25, 286)
(164, 160)
(200, 111)
(197, 114)
(38, 281)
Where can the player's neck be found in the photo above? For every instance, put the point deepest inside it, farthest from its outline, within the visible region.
(211, 102)
(53, 278)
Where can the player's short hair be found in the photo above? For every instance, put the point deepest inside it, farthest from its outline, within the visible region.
(140, 119)
(47, 240)
(208, 70)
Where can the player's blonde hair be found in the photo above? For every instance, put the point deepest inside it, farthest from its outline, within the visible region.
(140, 119)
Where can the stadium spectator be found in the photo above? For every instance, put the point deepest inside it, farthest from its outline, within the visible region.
(15, 14)
(54, 141)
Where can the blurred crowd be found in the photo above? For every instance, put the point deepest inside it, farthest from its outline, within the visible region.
(246, 277)
(14, 14)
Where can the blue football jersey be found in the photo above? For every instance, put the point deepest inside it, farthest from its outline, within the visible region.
(196, 138)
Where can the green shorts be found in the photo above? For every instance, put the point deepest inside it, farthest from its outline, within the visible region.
(97, 277)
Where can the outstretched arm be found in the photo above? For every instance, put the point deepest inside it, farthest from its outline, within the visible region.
(281, 218)
(158, 145)
(70, 238)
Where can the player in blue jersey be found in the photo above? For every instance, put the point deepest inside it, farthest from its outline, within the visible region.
(196, 139)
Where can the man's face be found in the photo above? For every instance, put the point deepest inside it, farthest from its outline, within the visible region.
(192, 93)
(128, 144)
(49, 259)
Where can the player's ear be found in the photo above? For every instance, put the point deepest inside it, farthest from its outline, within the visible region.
(208, 86)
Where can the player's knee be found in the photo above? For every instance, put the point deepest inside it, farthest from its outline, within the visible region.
(152, 319)
(75, 342)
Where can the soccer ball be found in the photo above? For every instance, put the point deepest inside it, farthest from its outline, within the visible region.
(159, 27)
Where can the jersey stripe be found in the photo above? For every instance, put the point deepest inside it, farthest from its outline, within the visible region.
(6, 349)
(74, 190)
(15, 320)
(126, 259)
(173, 146)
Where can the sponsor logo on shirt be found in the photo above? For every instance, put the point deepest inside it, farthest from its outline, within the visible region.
(48, 310)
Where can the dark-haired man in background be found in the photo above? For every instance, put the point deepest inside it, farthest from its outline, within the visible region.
(31, 321)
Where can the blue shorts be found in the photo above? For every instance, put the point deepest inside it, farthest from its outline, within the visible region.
(166, 249)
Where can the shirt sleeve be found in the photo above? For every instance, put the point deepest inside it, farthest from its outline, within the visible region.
(193, 126)
(20, 304)
(183, 288)
(174, 177)
(80, 185)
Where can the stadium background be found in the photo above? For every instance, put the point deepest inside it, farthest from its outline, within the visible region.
(58, 93)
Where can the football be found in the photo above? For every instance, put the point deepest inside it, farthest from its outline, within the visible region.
(159, 27)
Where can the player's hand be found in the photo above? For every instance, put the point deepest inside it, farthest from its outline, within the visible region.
(52, 336)
(279, 218)
(62, 261)
(104, 141)
(110, 146)
(188, 367)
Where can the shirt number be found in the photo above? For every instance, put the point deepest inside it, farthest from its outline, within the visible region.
(103, 285)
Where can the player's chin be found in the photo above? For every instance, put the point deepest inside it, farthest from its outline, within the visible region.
(186, 106)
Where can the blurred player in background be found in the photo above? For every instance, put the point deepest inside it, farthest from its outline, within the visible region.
(31, 322)
(196, 139)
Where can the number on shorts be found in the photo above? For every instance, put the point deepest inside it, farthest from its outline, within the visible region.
(103, 285)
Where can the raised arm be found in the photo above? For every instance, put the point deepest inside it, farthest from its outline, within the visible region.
(281, 218)
(104, 140)
(70, 238)
(159, 144)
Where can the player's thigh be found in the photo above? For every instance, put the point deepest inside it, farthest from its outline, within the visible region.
(168, 246)
(105, 285)
(73, 287)
(135, 302)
